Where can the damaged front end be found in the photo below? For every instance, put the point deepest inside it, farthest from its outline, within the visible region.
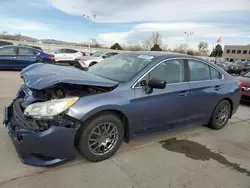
(37, 120)
(41, 139)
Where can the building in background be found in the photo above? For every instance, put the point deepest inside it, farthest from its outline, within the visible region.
(237, 52)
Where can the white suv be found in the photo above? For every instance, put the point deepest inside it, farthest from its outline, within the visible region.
(88, 61)
(67, 55)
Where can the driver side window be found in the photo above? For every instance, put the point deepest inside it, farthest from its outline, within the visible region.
(171, 71)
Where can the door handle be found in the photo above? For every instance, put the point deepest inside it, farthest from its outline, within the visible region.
(217, 88)
(183, 94)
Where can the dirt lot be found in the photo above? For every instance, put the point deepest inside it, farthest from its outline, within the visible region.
(192, 158)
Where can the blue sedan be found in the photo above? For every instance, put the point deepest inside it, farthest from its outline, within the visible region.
(124, 96)
(18, 57)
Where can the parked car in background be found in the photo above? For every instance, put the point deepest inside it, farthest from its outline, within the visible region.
(66, 55)
(245, 79)
(127, 95)
(239, 67)
(19, 57)
(88, 61)
(31, 46)
(5, 43)
(223, 66)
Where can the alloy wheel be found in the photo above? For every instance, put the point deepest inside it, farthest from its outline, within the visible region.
(103, 138)
(222, 114)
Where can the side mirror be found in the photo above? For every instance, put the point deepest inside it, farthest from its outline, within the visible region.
(157, 84)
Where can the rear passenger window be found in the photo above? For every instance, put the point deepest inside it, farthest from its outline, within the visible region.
(215, 74)
(70, 51)
(26, 51)
(198, 71)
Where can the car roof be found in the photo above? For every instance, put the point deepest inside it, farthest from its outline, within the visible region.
(165, 54)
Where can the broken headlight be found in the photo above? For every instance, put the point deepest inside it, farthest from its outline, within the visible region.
(46, 110)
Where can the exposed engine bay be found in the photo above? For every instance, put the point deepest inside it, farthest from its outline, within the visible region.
(63, 90)
(28, 96)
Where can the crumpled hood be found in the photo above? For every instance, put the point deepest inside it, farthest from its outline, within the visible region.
(40, 76)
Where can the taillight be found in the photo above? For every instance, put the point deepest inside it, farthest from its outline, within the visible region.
(240, 84)
(83, 54)
(67, 95)
(51, 58)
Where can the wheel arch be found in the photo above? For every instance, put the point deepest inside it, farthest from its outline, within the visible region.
(92, 63)
(121, 115)
(231, 104)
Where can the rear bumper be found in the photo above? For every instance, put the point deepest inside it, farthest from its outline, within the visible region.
(52, 146)
(245, 97)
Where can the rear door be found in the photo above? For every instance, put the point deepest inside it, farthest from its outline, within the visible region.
(26, 56)
(8, 57)
(71, 54)
(206, 90)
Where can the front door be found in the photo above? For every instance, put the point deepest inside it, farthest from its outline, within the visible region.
(162, 109)
(8, 57)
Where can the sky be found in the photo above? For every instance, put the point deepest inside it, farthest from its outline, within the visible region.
(129, 21)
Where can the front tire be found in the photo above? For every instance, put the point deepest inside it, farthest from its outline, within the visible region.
(101, 137)
(221, 115)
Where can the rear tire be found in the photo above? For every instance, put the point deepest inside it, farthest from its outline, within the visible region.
(101, 137)
(221, 115)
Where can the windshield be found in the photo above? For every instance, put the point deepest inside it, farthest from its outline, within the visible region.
(97, 54)
(247, 74)
(121, 67)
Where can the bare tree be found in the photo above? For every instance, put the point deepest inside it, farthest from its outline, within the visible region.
(154, 39)
(181, 48)
(95, 43)
(17, 36)
(203, 48)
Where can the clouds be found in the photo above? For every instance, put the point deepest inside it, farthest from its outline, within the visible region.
(173, 33)
(207, 19)
(148, 10)
(21, 25)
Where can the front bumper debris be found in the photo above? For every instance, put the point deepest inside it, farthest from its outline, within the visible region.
(41, 148)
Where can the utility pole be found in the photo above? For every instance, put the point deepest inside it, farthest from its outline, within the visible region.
(188, 34)
(90, 19)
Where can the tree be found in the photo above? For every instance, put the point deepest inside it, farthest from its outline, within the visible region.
(203, 48)
(116, 46)
(180, 48)
(217, 51)
(17, 36)
(155, 39)
(95, 43)
(156, 47)
(136, 47)
(190, 52)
